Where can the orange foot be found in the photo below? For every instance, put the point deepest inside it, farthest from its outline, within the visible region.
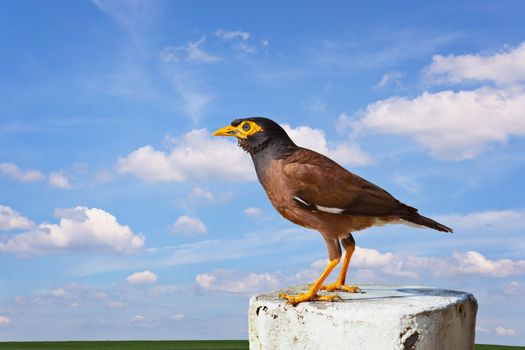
(339, 286)
(296, 299)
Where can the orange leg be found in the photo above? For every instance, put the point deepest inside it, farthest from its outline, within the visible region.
(312, 293)
(339, 284)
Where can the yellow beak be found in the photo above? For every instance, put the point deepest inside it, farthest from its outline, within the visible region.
(228, 131)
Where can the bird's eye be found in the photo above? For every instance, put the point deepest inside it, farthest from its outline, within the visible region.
(246, 126)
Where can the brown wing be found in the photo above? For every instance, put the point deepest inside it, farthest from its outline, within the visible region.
(319, 181)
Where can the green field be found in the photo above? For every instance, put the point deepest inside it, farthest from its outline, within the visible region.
(129, 345)
(162, 345)
(498, 347)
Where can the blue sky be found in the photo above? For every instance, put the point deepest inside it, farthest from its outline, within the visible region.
(122, 218)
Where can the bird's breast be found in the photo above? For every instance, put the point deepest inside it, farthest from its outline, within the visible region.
(279, 191)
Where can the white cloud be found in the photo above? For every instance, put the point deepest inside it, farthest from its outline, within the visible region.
(235, 282)
(373, 262)
(195, 155)
(194, 96)
(349, 154)
(55, 178)
(366, 264)
(169, 54)
(253, 212)
(187, 225)
(204, 280)
(515, 288)
(197, 54)
(4, 320)
(142, 277)
(387, 263)
(469, 263)
(192, 52)
(11, 220)
(245, 48)
(200, 194)
(394, 47)
(58, 292)
(408, 181)
(134, 17)
(389, 78)
(475, 263)
(482, 329)
(458, 125)
(195, 102)
(346, 121)
(59, 180)
(452, 125)
(232, 34)
(311, 273)
(259, 243)
(497, 220)
(143, 322)
(12, 171)
(229, 281)
(506, 332)
(198, 155)
(316, 105)
(239, 39)
(364, 258)
(116, 304)
(203, 196)
(69, 296)
(177, 317)
(502, 68)
(138, 318)
(79, 228)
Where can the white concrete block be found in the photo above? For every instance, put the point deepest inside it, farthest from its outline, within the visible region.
(381, 318)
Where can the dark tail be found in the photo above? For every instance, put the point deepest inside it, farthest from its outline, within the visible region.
(428, 222)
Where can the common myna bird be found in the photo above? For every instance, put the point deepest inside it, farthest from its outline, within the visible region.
(313, 191)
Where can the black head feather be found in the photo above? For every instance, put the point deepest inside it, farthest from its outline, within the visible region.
(272, 137)
(269, 144)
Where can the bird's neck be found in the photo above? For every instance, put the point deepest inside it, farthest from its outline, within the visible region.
(268, 152)
(253, 147)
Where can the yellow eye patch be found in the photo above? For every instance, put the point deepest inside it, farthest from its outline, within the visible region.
(247, 128)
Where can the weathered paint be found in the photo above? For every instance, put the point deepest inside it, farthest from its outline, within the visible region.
(382, 318)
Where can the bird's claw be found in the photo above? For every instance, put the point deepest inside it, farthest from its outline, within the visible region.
(339, 286)
(296, 299)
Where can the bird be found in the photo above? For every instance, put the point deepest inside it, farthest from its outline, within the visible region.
(313, 191)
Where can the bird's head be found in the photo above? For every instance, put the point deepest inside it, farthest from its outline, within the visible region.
(256, 133)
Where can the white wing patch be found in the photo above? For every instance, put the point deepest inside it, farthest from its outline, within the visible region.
(316, 207)
(299, 199)
(329, 210)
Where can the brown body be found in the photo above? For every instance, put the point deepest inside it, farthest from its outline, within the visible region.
(281, 190)
(299, 174)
